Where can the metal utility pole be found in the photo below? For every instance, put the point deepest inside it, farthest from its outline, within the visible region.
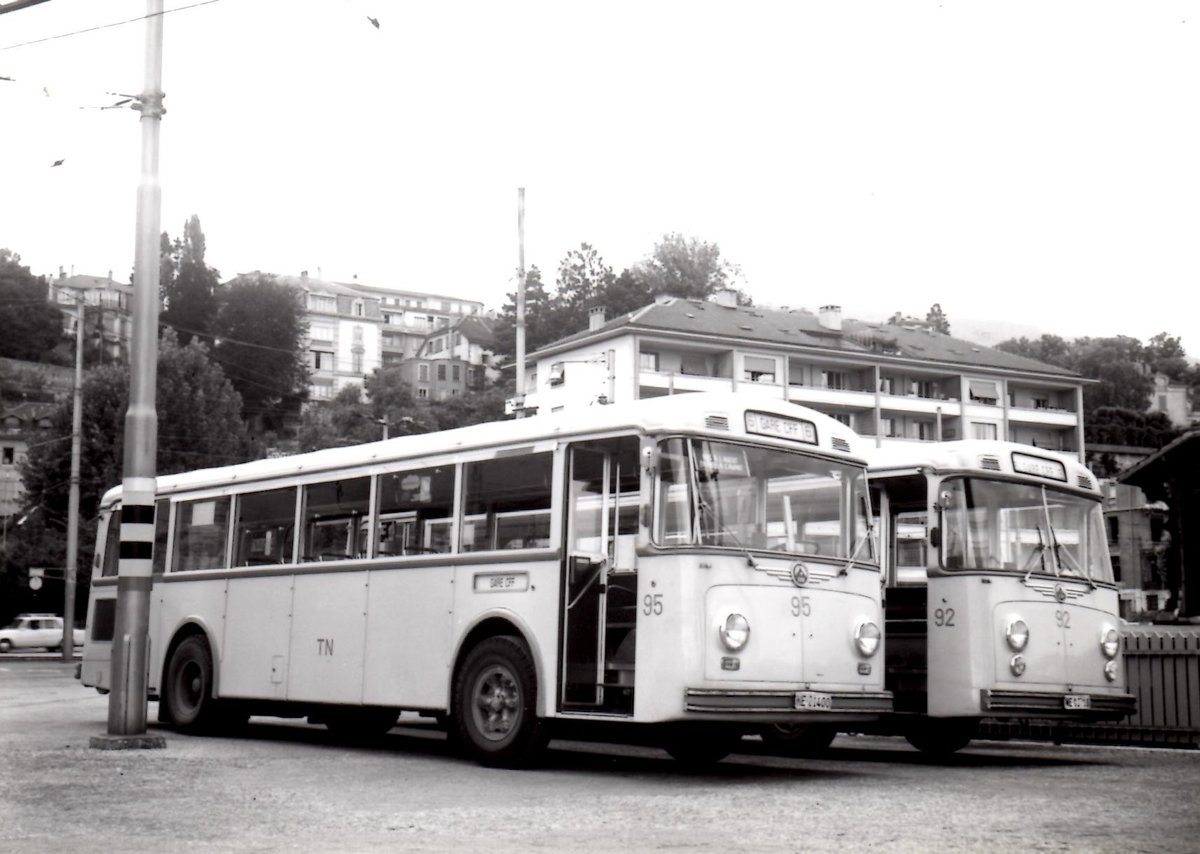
(520, 300)
(68, 642)
(127, 702)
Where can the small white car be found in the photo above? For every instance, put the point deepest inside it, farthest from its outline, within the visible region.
(36, 630)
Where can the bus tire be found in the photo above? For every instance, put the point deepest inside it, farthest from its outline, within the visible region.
(700, 746)
(495, 704)
(187, 691)
(799, 739)
(360, 724)
(943, 736)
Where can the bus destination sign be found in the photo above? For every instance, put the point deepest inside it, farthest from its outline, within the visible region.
(781, 427)
(1039, 466)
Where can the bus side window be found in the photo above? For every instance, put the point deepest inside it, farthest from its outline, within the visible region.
(162, 519)
(264, 527)
(201, 528)
(112, 545)
(415, 511)
(332, 519)
(511, 496)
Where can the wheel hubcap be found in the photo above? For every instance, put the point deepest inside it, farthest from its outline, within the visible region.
(497, 706)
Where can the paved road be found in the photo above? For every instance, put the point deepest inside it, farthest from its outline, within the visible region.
(285, 787)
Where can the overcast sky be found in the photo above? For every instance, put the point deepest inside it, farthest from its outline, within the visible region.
(1034, 163)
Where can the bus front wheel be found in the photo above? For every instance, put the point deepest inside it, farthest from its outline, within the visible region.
(188, 687)
(943, 736)
(495, 704)
(697, 746)
(799, 739)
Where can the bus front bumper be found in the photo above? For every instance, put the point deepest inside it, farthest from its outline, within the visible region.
(1047, 704)
(790, 703)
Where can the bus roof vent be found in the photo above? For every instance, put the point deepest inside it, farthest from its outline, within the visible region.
(989, 463)
(840, 444)
(716, 422)
(1084, 481)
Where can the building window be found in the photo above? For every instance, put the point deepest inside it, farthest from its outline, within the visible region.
(8, 455)
(1041, 403)
(423, 373)
(694, 366)
(422, 392)
(455, 373)
(357, 362)
(886, 385)
(980, 430)
(322, 303)
(320, 360)
(841, 418)
(759, 369)
(358, 308)
(887, 427)
(320, 332)
(983, 391)
(926, 431)
(1114, 529)
(441, 372)
(648, 360)
(835, 379)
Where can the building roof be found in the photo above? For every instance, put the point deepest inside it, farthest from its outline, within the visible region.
(802, 329)
(1176, 461)
(478, 330)
(382, 290)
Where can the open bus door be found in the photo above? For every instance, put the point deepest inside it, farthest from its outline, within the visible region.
(600, 577)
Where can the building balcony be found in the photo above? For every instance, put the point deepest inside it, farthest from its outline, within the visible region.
(843, 398)
(1045, 417)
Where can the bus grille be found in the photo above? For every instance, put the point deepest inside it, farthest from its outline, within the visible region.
(716, 422)
(989, 463)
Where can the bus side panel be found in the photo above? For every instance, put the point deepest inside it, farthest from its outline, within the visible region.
(526, 593)
(200, 601)
(408, 637)
(329, 626)
(254, 648)
(959, 618)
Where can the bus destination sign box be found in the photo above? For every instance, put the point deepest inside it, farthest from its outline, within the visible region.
(796, 429)
(1039, 466)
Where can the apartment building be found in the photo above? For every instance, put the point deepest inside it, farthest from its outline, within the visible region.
(892, 382)
(108, 321)
(453, 360)
(410, 317)
(344, 334)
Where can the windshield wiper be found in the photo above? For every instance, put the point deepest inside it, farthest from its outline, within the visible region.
(1040, 552)
(1060, 553)
(712, 514)
(845, 570)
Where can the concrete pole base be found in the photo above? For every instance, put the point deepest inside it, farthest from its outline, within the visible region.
(144, 741)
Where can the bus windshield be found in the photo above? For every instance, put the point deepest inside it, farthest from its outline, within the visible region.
(723, 494)
(1023, 528)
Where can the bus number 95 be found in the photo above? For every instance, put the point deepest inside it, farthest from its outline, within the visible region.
(801, 606)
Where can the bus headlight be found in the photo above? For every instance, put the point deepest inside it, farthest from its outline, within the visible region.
(1110, 642)
(866, 638)
(1017, 665)
(1110, 670)
(1017, 635)
(734, 632)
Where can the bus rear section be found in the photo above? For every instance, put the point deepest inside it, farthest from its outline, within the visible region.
(1000, 597)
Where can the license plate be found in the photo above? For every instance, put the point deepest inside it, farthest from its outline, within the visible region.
(1077, 701)
(813, 700)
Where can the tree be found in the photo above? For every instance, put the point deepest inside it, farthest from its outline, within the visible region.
(684, 267)
(260, 329)
(583, 280)
(1051, 349)
(187, 285)
(199, 425)
(32, 327)
(937, 319)
(1165, 355)
(539, 321)
(1119, 364)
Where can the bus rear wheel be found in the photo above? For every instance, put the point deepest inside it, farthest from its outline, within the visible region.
(495, 704)
(943, 736)
(799, 739)
(699, 746)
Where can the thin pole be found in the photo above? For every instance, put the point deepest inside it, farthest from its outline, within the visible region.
(68, 643)
(127, 702)
(521, 298)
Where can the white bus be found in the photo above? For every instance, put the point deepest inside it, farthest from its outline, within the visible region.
(700, 566)
(1000, 597)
